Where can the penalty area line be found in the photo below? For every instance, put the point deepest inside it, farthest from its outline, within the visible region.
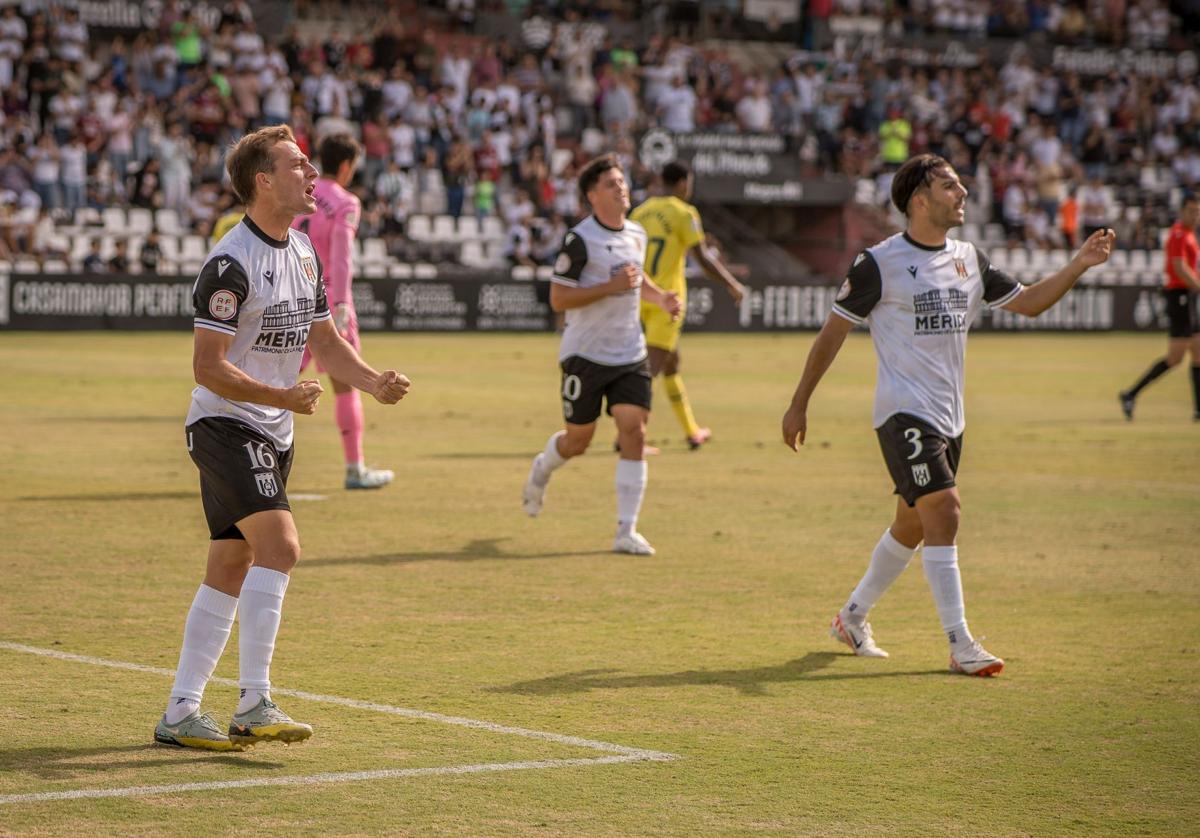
(313, 779)
(621, 753)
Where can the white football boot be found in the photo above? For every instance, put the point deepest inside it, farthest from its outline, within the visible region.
(975, 660)
(535, 490)
(858, 636)
(632, 543)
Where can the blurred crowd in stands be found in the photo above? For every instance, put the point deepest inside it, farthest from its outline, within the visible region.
(454, 122)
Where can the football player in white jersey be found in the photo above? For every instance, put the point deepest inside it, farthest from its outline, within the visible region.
(919, 291)
(598, 282)
(259, 301)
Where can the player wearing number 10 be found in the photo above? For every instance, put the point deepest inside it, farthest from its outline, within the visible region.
(259, 302)
(673, 230)
(919, 291)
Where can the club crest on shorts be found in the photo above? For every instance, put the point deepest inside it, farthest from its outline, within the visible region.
(960, 268)
(310, 269)
(921, 474)
(268, 487)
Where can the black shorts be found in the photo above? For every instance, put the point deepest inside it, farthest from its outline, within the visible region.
(920, 458)
(585, 383)
(241, 473)
(1181, 312)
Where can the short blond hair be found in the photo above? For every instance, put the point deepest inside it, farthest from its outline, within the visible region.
(252, 154)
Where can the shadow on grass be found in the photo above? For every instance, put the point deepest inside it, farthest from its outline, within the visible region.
(109, 497)
(64, 763)
(745, 681)
(481, 549)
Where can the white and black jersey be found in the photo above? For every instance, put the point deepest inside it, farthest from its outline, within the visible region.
(266, 294)
(919, 302)
(609, 330)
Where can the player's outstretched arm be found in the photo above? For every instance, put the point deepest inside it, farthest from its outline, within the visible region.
(1036, 298)
(344, 364)
(715, 270)
(213, 371)
(820, 356)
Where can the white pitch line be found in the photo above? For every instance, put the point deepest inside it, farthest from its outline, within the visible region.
(625, 753)
(312, 779)
(460, 721)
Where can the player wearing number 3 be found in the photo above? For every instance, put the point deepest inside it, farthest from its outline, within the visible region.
(919, 291)
(259, 300)
(598, 282)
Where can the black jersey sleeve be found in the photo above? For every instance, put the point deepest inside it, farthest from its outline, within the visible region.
(220, 291)
(861, 290)
(998, 287)
(320, 302)
(572, 258)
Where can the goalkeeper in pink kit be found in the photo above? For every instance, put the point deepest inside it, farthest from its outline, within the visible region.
(332, 229)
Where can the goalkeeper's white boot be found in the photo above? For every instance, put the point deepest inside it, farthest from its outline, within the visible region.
(361, 477)
(858, 636)
(973, 659)
(535, 488)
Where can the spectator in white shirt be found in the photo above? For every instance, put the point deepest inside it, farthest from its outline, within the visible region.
(677, 107)
(754, 111)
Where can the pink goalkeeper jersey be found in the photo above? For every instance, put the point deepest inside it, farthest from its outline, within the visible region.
(331, 229)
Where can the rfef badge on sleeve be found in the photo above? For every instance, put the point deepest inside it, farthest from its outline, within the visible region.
(310, 268)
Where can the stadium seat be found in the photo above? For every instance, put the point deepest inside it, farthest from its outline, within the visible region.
(193, 249)
(468, 227)
(522, 273)
(54, 266)
(494, 254)
(81, 243)
(1018, 259)
(26, 266)
(115, 220)
(444, 229)
(87, 217)
(472, 254)
(970, 232)
(424, 270)
(493, 228)
(400, 270)
(993, 233)
(1118, 260)
(167, 221)
(170, 248)
(374, 251)
(544, 272)
(419, 228)
(5, 266)
(190, 267)
(1138, 261)
(140, 220)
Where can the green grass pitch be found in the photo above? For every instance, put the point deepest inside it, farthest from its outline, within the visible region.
(1080, 548)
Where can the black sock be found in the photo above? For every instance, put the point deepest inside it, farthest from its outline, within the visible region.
(1160, 366)
(1196, 388)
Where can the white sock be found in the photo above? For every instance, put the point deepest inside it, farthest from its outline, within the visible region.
(631, 487)
(249, 700)
(205, 634)
(941, 569)
(261, 608)
(888, 561)
(551, 460)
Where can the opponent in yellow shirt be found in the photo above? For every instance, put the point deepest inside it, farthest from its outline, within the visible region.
(227, 222)
(673, 229)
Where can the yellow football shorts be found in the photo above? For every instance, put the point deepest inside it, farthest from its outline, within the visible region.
(661, 331)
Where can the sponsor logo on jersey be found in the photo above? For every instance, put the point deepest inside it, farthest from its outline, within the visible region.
(921, 474)
(858, 259)
(960, 268)
(267, 486)
(222, 266)
(223, 305)
(936, 314)
(912, 271)
(269, 276)
(310, 269)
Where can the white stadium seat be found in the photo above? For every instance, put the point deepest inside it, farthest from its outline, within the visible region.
(522, 273)
(193, 249)
(443, 229)
(140, 220)
(54, 266)
(468, 227)
(400, 270)
(26, 266)
(115, 220)
(424, 270)
(418, 228)
(1138, 261)
(544, 272)
(493, 228)
(472, 254)
(170, 248)
(167, 221)
(374, 251)
(80, 245)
